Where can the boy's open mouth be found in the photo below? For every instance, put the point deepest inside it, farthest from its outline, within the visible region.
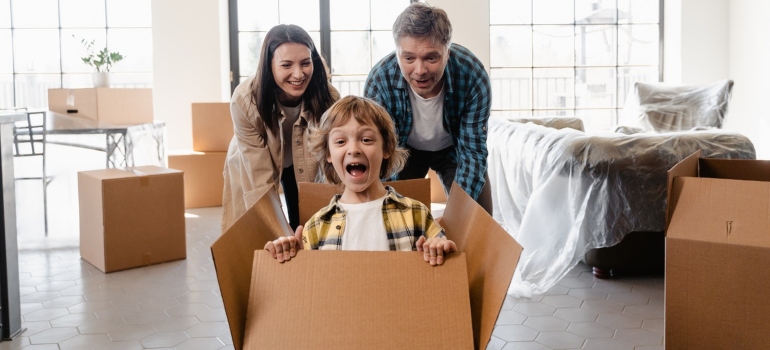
(356, 169)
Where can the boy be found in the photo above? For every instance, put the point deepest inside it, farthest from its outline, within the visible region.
(356, 146)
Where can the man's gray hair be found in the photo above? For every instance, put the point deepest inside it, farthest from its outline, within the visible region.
(421, 20)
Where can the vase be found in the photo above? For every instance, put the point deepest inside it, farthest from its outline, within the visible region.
(100, 79)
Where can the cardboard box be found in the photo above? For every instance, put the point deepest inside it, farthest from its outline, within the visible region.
(437, 194)
(132, 217)
(314, 196)
(251, 283)
(717, 254)
(212, 126)
(203, 179)
(104, 105)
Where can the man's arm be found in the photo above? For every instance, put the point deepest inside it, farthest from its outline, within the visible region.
(471, 144)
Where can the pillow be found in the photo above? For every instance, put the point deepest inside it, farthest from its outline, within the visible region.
(663, 107)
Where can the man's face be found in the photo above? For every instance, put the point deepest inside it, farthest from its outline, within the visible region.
(422, 63)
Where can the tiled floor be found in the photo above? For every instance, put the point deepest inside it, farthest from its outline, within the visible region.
(69, 304)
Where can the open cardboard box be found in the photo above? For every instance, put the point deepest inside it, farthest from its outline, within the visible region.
(717, 254)
(490, 254)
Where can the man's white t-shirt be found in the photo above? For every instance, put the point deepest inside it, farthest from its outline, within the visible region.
(428, 133)
(364, 229)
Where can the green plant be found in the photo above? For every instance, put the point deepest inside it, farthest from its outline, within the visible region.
(101, 60)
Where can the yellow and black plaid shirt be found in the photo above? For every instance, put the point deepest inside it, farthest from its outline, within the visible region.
(405, 220)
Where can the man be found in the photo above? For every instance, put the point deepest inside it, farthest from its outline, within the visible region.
(438, 95)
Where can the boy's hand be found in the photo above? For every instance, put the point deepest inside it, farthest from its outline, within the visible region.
(285, 248)
(434, 249)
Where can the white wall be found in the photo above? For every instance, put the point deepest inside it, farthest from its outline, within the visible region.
(470, 25)
(190, 62)
(708, 40)
(749, 67)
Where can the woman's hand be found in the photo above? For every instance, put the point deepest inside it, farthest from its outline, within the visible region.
(285, 248)
(434, 249)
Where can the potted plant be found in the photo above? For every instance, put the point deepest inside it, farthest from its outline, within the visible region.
(102, 61)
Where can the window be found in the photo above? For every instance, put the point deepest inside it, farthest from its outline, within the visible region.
(352, 34)
(576, 58)
(40, 46)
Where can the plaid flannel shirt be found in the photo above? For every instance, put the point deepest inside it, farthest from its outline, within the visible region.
(467, 104)
(405, 220)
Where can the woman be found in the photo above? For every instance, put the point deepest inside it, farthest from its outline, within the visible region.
(271, 113)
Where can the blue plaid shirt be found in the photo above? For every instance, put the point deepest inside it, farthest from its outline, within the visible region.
(467, 103)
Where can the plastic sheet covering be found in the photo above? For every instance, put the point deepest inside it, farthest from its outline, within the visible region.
(562, 192)
(663, 107)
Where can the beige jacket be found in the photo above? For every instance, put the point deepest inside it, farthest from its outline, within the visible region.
(255, 156)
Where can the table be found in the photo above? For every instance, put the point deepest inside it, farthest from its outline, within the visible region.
(121, 141)
(10, 299)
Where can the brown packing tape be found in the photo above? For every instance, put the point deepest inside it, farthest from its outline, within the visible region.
(233, 255)
(492, 256)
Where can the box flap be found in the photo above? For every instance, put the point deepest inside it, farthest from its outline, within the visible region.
(721, 211)
(314, 196)
(736, 169)
(152, 170)
(233, 255)
(686, 167)
(492, 256)
(335, 300)
(107, 174)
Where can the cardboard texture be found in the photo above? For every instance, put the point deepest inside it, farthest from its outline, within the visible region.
(346, 300)
(233, 255)
(203, 179)
(437, 194)
(491, 256)
(105, 105)
(132, 217)
(717, 245)
(314, 196)
(212, 126)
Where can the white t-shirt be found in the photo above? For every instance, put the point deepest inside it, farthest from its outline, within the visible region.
(364, 229)
(291, 114)
(428, 133)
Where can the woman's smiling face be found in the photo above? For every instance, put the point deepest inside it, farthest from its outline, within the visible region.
(292, 69)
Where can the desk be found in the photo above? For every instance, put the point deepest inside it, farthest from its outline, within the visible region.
(120, 140)
(10, 298)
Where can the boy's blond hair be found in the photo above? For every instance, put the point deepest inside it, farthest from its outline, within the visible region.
(367, 112)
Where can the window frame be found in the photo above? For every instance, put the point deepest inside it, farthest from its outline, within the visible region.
(573, 109)
(325, 44)
(60, 72)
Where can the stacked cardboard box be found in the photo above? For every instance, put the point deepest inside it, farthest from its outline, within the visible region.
(104, 105)
(717, 254)
(372, 300)
(212, 130)
(132, 217)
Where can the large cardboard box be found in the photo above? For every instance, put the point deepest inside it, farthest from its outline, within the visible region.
(212, 126)
(132, 217)
(354, 300)
(203, 179)
(110, 106)
(314, 196)
(717, 255)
